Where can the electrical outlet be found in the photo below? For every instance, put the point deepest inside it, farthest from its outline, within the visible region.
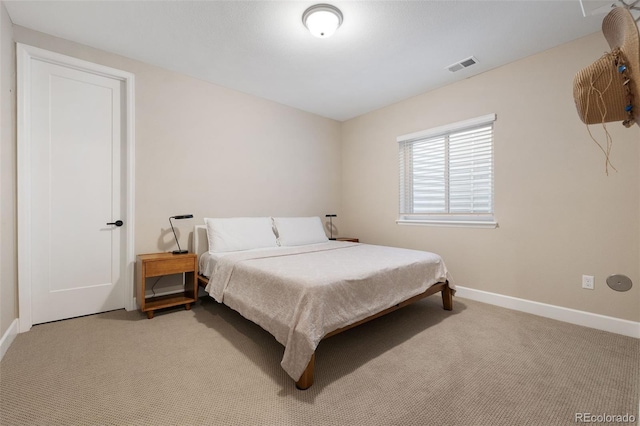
(588, 281)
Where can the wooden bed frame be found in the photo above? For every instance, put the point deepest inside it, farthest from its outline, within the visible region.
(306, 380)
(200, 245)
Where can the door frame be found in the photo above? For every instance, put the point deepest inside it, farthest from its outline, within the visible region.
(25, 54)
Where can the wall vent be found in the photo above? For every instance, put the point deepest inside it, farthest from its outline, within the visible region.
(462, 64)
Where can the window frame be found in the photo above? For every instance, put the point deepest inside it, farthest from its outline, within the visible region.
(479, 220)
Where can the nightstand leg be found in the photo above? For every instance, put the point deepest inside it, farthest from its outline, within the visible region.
(187, 306)
(149, 314)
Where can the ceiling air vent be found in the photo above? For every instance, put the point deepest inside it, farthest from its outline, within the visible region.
(462, 64)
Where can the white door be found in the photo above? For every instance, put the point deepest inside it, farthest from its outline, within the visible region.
(76, 188)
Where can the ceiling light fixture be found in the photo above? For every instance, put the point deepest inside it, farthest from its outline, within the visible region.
(322, 20)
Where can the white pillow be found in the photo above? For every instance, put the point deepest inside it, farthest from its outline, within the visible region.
(239, 233)
(296, 231)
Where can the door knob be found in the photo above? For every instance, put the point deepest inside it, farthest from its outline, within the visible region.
(116, 223)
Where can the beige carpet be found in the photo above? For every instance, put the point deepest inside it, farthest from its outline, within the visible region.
(477, 365)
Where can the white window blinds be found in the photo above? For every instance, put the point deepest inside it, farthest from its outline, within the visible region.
(446, 174)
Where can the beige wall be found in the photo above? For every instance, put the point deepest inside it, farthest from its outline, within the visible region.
(211, 151)
(8, 259)
(559, 215)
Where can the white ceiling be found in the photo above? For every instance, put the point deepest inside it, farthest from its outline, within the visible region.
(384, 52)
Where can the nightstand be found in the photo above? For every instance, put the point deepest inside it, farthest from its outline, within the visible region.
(351, 240)
(160, 264)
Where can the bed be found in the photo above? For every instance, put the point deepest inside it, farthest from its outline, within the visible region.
(303, 290)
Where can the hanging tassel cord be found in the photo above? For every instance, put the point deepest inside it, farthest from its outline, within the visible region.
(594, 93)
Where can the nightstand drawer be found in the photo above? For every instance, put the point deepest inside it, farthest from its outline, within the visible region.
(169, 266)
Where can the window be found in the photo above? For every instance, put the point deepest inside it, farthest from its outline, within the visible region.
(446, 175)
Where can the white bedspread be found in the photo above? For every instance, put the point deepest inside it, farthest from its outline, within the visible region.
(300, 294)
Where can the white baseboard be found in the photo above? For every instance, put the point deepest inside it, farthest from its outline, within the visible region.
(8, 337)
(573, 316)
(166, 291)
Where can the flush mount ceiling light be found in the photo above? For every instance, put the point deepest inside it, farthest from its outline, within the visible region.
(322, 20)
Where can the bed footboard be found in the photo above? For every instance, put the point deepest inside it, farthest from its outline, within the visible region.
(306, 380)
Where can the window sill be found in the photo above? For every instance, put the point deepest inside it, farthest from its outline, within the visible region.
(449, 223)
